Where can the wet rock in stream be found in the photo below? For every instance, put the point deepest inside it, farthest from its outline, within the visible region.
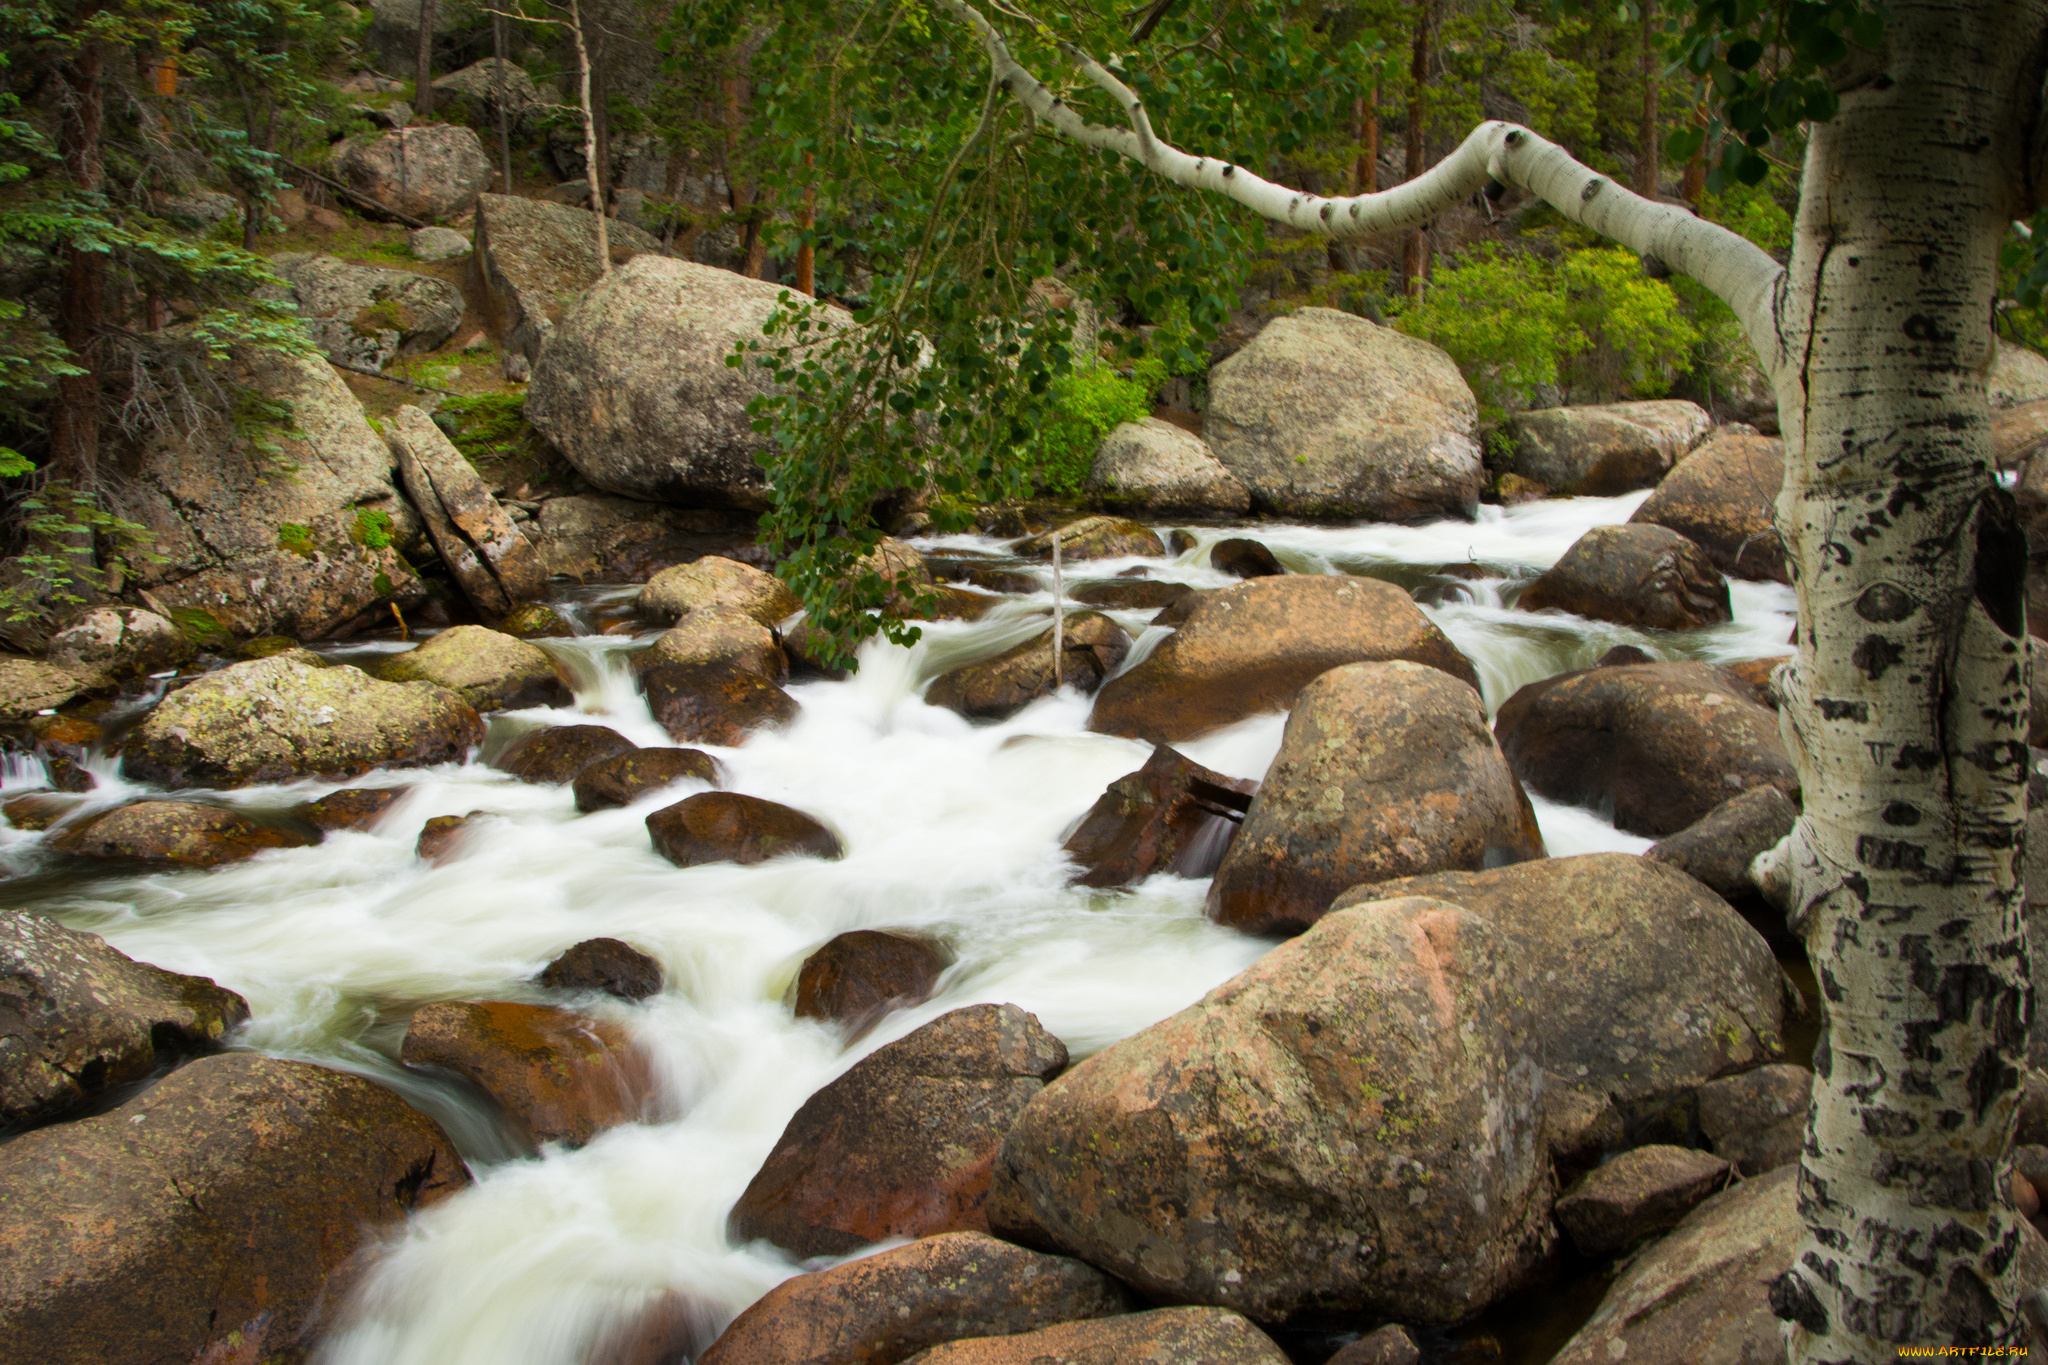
(561, 753)
(998, 688)
(1242, 558)
(488, 669)
(1723, 498)
(1171, 815)
(351, 808)
(728, 827)
(624, 778)
(1132, 594)
(1634, 575)
(176, 834)
(30, 685)
(120, 642)
(1213, 1336)
(560, 1076)
(40, 810)
(1093, 538)
(862, 974)
(442, 837)
(715, 677)
(714, 582)
(605, 964)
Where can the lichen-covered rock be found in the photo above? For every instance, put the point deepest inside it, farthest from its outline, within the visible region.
(1213, 1336)
(1603, 450)
(1253, 647)
(217, 1202)
(715, 582)
(119, 642)
(437, 244)
(1723, 498)
(426, 173)
(1719, 847)
(1385, 770)
(862, 974)
(481, 84)
(1093, 538)
(883, 1309)
(560, 1076)
(624, 778)
(1757, 1120)
(1635, 575)
(533, 257)
(728, 827)
(175, 834)
(605, 964)
(902, 1144)
(350, 808)
(538, 621)
(1350, 1125)
(1638, 1194)
(1325, 414)
(999, 687)
(1171, 815)
(272, 719)
(489, 670)
(28, 686)
(561, 753)
(1150, 466)
(492, 561)
(81, 1016)
(365, 315)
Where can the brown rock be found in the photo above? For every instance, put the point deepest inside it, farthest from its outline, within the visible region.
(1172, 815)
(990, 579)
(1638, 1194)
(562, 1077)
(1390, 1345)
(716, 633)
(40, 810)
(1252, 648)
(1580, 1125)
(352, 808)
(80, 1016)
(669, 1329)
(1143, 594)
(1661, 744)
(1093, 538)
(886, 1308)
(1636, 575)
(998, 688)
(1385, 770)
(863, 974)
(1604, 450)
(1723, 497)
(489, 669)
(715, 582)
(176, 833)
(717, 703)
(727, 827)
(624, 778)
(492, 561)
(1213, 1336)
(901, 1145)
(441, 838)
(1243, 558)
(561, 753)
(1719, 847)
(229, 1191)
(605, 964)
(1757, 1120)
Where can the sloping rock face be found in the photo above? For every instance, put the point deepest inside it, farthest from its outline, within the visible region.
(1635, 575)
(1347, 1126)
(486, 668)
(1600, 451)
(1325, 414)
(218, 1201)
(1722, 497)
(561, 1077)
(1213, 1336)
(494, 564)
(174, 834)
(634, 389)
(1385, 770)
(903, 1144)
(424, 173)
(272, 719)
(1253, 647)
(367, 316)
(1171, 815)
(1156, 467)
(214, 503)
(78, 1016)
(533, 257)
(1641, 982)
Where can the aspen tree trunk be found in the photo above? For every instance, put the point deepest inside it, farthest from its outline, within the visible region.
(604, 248)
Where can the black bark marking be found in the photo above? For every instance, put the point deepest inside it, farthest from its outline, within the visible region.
(1793, 1300)
(1880, 1122)
(1885, 602)
(1916, 756)
(1831, 709)
(1874, 654)
(1991, 1076)
(1890, 855)
(1901, 813)
(1968, 1314)
(2001, 562)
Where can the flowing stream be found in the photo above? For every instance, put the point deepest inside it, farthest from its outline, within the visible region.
(950, 828)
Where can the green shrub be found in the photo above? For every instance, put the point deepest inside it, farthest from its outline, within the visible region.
(1091, 403)
(486, 427)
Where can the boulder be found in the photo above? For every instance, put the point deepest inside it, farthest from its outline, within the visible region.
(597, 539)
(561, 753)
(119, 642)
(1253, 647)
(1390, 1345)
(83, 1017)
(1757, 1120)
(29, 685)
(1129, 594)
(995, 689)
(217, 1202)
(1581, 1125)
(634, 390)
(39, 810)
(350, 808)
(624, 778)
(424, 173)
(367, 316)
(727, 827)
(1348, 1126)
(491, 559)
(1093, 538)
(442, 837)
(2019, 434)
(605, 964)
(1701, 1296)
(1634, 575)
(714, 677)
(1171, 815)
(1638, 1194)
(174, 834)
(2018, 376)
(272, 719)
(216, 507)
(862, 974)
(539, 621)
(1150, 466)
(1241, 558)
(437, 244)
(65, 745)
(1723, 498)
(533, 257)
(1719, 847)
(715, 582)
(489, 670)
(1325, 414)
(1659, 744)
(988, 577)
(1604, 450)
(560, 1076)
(1641, 983)
(480, 84)
(885, 1308)
(1384, 771)
(902, 1144)
(1213, 1336)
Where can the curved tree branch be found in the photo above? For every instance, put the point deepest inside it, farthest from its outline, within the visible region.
(1742, 274)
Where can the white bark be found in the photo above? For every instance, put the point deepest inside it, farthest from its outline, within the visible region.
(598, 174)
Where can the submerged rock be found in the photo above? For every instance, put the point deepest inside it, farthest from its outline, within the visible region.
(998, 688)
(443, 837)
(862, 974)
(716, 582)
(1171, 815)
(562, 753)
(489, 670)
(561, 1076)
(1635, 575)
(624, 778)
(605, 964)
(1213, 1336)
(1638, 1194)
(902, 1144)
(176, 834)
(1243, 558)
(727, 827)
(84, 1017)
(351, 808)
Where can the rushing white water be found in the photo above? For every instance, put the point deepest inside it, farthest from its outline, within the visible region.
(950, 828)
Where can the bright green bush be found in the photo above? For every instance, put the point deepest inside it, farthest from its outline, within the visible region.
(1090, 403)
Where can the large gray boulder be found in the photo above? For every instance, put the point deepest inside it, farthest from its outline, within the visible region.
(533, 257)
(1634, 575)
(1157, 467)
(478, 85)
(1348, 1126)
(366, 316)
(2017, 376)
(1607, 449)
(423, 173)
(120, 642)
(635, 391)
(714, 581)
(492, 561)
(489, 669)
(1325, 414)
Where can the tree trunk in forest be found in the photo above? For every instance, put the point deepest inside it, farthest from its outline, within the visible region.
(1646, 68)
(504, 118)
(604, 249)
(81, 287)
(1366, 175)
(1415, 251)
(423, 85)
(601, 125)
